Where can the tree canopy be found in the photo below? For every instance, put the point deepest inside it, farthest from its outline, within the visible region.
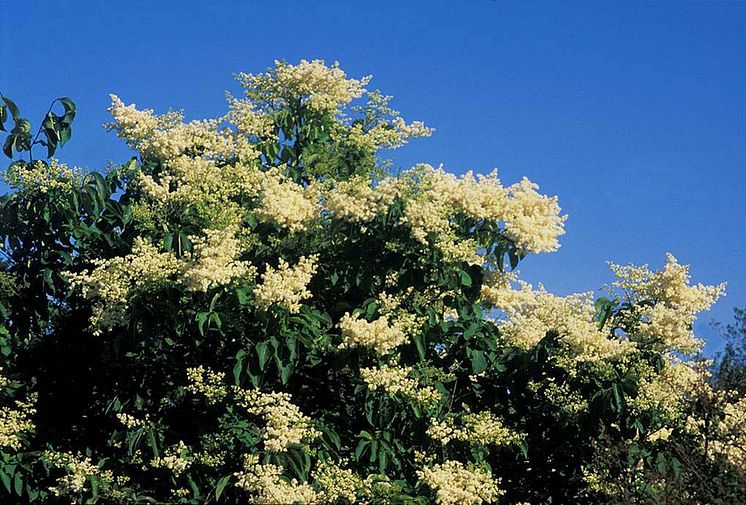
(260, 308)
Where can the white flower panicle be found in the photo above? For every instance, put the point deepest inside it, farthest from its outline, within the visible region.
(286, 204)
(209, 383)
(357, 201)
(112, 282)
(286, 285)
(40, 177)
(213, 260)
(176, 459)
(732, 428)
(397, 380)
(266, 484)
(16, 423)
(248, 119)
(335, 484)
(533, 313)
(285, 424)
(78, 470)
(482, 428)
(381, 335)
(665, 391)
(669, 304)
(168, 138)
(383, 128)
(131, 422)
(532, 221)
(456, 484)
(320, 87)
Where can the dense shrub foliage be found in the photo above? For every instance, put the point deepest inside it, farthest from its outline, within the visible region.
(258, 308)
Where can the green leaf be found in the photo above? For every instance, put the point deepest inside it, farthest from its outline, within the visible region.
(472, 330)
(51, 142)
(65, 135)
(478, 361)
(285, 370)
(8, 146)
(18, 484)
(3, 116)
(514, 259)
(94, 487)
(22, 125)
(220, 487)
(676, 465)
(5, 478)
(465, 278)
(201, 319)
(238, 368)
(11, 106)
(243, 295)
(262, 354)
(70, 108)
(419, 341)
(168, 242)
(617, 390)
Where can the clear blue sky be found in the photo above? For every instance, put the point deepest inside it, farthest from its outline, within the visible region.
(634, 113)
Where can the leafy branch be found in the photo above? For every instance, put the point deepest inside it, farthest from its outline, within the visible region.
(57, 129)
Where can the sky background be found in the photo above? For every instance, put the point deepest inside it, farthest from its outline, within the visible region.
(634, 113)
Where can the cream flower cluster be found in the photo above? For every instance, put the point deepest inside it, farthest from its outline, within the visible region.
(112, 282)
(285, 424)
(176, 459)
(480, 428)
(381, 335)
(203, 187)
(16, 422)
(386, 134)
(531, 220)
(335, 484)
(206, 382)
(38, 177)
(481, 198)
(286, 285)
(660, 434)
(167, 137)
(568, 400)
(394, 308)
(497, 291)
(456, 484)
(248, 119)
(286, 204)
(195, 175)
(533, 313)
(675, 302)
(78, 470)
(665, 391)
(131, 422)
(356, 201)
(380, 127)
(266, 484)
(396, 380)
(731, 428)
(213, 260)
(322, 88)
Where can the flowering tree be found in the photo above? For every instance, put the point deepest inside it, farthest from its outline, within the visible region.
(258, 308)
